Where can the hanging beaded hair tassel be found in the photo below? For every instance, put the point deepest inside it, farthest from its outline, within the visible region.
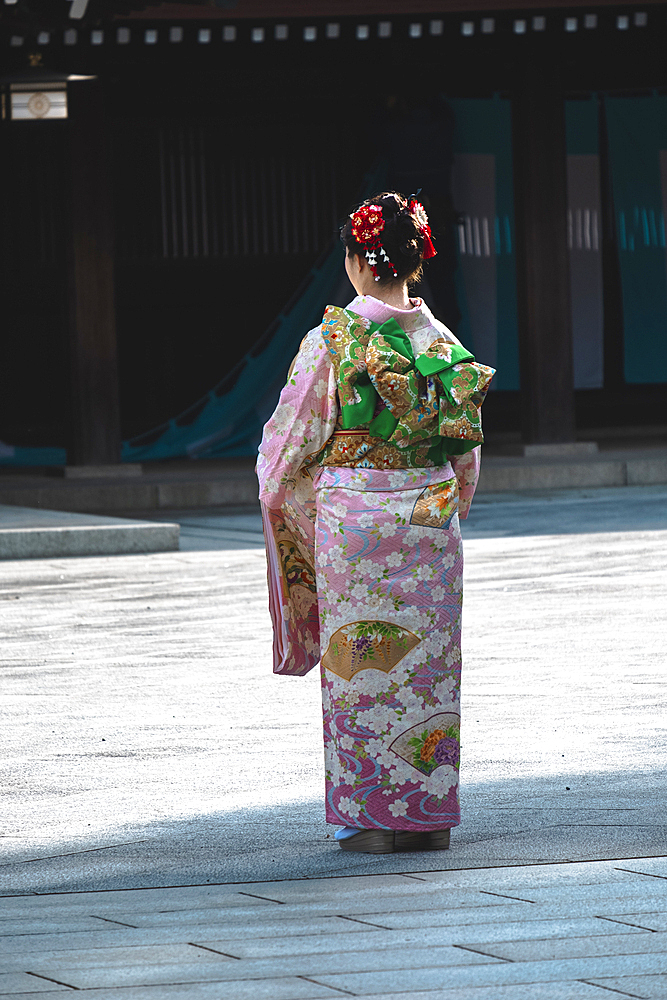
(367, 224)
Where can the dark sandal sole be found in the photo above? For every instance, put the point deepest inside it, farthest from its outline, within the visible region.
(439, 840)
(370, 842)
(433, 840)
(388, 841)
(406, 840)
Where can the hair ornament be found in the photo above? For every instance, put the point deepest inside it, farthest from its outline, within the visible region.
(367, 224)
(418, 212)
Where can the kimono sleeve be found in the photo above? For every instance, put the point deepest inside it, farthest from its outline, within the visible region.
(466, 470)
(301, 424)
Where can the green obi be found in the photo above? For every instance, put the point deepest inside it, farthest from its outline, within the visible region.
(436, 395)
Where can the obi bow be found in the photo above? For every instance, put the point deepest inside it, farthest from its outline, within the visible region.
(404, 398)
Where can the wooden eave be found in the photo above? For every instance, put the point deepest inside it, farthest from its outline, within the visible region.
(270, 9)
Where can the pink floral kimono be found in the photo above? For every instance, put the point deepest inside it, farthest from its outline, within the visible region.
(367, 464)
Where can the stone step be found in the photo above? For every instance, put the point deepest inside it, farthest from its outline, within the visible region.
(26, 533)
(161, 486)
(635, 467)
(190, 485)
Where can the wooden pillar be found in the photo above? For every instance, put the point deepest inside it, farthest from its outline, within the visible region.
(614, 369)
(94, 365)
(545, 323)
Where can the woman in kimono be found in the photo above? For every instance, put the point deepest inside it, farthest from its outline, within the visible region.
(366, 467)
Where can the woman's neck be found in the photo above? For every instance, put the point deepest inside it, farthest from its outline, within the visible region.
(393, 295)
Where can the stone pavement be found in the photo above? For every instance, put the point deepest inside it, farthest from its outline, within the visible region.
(552, 932)
(146, 744)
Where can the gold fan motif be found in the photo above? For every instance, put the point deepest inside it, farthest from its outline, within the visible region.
(367, 645)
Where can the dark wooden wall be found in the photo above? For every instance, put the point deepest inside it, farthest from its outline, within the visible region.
(230, 165)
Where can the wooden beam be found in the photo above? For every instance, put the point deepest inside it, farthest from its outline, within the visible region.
(545, 322)
(258, 9)
(94, 366)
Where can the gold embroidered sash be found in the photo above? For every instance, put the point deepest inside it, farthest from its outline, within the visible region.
(402, 398)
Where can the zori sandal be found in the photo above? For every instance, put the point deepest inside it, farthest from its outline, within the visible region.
(369, 842)
(438, 840)
(430, 840)
(409, 840)
(388, 841)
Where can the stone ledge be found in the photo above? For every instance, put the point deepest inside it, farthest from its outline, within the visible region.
(525, 475)
(222, 486)
(629, 468)
(43, 534)
(116, 495)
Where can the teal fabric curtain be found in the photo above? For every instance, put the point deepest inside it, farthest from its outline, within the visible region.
(637, 129)
(10, 455)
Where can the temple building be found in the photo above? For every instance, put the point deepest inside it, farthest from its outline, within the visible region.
(174, 177)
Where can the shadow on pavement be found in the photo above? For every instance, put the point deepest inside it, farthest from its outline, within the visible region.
(603, 816)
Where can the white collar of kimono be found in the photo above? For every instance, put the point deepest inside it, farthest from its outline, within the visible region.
(419, 322)
(379, 311)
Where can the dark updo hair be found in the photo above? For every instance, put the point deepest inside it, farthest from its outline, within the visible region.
(400, 237)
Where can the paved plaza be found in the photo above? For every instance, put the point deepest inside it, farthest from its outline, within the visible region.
(162, 829)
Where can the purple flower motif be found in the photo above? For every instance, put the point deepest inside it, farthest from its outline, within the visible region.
(447, 751)
(361, 647)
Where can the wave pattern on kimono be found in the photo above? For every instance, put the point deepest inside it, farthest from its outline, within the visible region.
(373, 539)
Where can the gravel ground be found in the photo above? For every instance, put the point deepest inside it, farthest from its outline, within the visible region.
(145, 742)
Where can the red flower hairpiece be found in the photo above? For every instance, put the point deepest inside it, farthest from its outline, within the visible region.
(367, 224)
(421, 218)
